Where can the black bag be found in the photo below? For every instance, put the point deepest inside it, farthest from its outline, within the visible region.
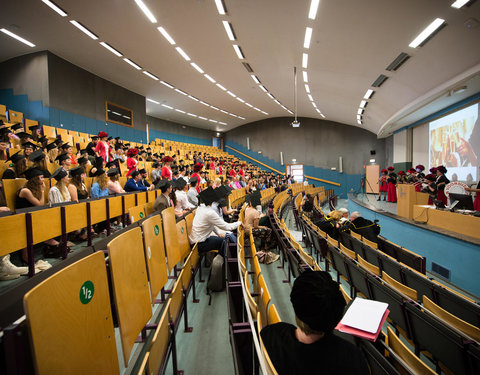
(216, 276)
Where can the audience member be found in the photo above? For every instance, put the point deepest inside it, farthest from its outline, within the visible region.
(59, 192)
(99, 187)
(163, 201)
(364, 227)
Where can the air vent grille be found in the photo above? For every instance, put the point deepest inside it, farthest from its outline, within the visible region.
(248, 67)
(380, 80)
(398, 62)
(440, 270)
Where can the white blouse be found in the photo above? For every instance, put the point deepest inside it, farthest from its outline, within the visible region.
(54, 195)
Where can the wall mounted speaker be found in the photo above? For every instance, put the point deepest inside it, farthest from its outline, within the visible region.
(372, 152)
(340, 164)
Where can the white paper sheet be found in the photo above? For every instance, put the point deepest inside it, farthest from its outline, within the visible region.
(365, 314)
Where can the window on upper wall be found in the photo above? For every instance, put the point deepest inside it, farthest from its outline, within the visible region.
(118, 114)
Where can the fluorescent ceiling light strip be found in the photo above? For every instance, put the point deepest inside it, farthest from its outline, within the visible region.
(166, 35)
(360, 111)
(111, 49)
(57, 9)
(179, 110)
(215, 121)
(205, 104)
(146, 11)
(312, 13)
(223, 111)
(321, 114)
(305, 60)
(231, 94)
(255, 78)
(368, 94)
(459, 3)
(132, 63)
(220, 7)
(314, 105)
(19, 38)
(209, 78)
(305, 76)
(126, 117)
(248, 104)
(221, 87)
(167, 84)
(241, 118)
(202, 118)
(192, 114)
(193, 98)
(84, 29)
(289, 111)
(276, 101)
(263, 88)
(265, 113)
(167, 106)
(310, 97)
(152, 101)
(363, 103)
(181, 92)
(229, 30)
(270, 95)
(238, 51)
(308, 37)
(215, 108)
(222, 123)
(359, 122)
(257, 109)
(197, 68)
(240, 99)
(116, 113)
(429, 30)
(150, 75)
(307, 89)
(182, 53)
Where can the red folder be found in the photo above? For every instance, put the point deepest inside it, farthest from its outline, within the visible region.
(363, 334)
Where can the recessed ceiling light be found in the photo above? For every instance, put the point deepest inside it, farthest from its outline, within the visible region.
(255, 78)
(220, 7)
(308, 37)
(182, 53)
(220, 86)
(368, 94)
(429, 30)
(310, 97)
(197, 68)
(167, 84)
(166, 35)
(305, 61)
(57, 9)
(152, 101)
(263, 88)
(305, 76)
(179, 110)
(209, 78)
(307, 89)
(128, 61)
(84, 29)
(150, 75)
(363, 103)
(238, 51)
(312, 13)
(111, 49)
(193, 98)
(229, 30)
(459, 3)
(192, 114)
(231, 94)
(19, 38)
(146, 11)
(181, 92)
(167, 106)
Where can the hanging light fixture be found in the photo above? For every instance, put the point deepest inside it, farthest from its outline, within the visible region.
(295, 123)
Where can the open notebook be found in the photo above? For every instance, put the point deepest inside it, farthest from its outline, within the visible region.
(364, 318)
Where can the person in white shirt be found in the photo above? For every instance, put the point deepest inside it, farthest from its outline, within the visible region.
(182, 174)
(207, 220)
(183, 206)
(192, 192)
(59, 193)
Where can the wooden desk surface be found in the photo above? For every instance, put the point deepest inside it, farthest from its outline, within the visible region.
(456, 222)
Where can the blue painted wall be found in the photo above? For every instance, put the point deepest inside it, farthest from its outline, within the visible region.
(462, 258)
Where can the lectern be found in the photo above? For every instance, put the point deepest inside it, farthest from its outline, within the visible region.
(407, 197)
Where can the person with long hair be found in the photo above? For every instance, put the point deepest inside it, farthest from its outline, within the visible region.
(99, 163)
(59, 192)
(77, 187)
(441, 182)
(52, 152)
(38, 158)
(392, 185)
(104, 148)
(99, 187)
(113, 184)
(16, 168)
(383, 185)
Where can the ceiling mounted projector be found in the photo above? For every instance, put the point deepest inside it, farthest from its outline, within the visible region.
(295, 124)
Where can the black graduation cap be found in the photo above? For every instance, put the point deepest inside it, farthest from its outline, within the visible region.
(23, 135)
(29, 145)
(155, 165)
(222, 191)
(117, 138)
(17, 126)
(99, 172)
(254, 198)
(109, 138)
(82, 160)
(112, 172)
(59, 174)
(142, 171)
(62, 157)
(42, 139)
(180, 183)
(180, 161)
(37, 155)
(83, 151)
(208, 196)
(94, 137)
(4, 138)
(16, 157)
(110, 164)
(164, 184)
(5, 130)
(58, 141)
(193, 180)
(65, 146)
(77, 171)
(34, 127)
(32, 172)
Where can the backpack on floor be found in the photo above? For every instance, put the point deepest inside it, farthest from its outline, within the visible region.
(216, 276)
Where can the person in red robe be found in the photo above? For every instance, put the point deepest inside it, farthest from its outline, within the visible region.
(132, 154)
(392, 185)
(196, 174)
(166, 170)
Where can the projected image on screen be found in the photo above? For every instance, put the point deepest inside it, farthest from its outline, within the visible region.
(455, 143)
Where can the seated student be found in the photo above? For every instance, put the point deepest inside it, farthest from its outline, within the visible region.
(192, 193)
(133, 183)
(207, 220)
(39, 161)
(16, 168)
(143, 178)
(182, 205)
(223, 208)
(163, 201)
(59, 192)
(364, 227)
(99, 188)
(252, 225)
(113, 184)
(64, 161)
(307, 205)
(156, 173)
(330, 224)
(312, 347)
(77, 188)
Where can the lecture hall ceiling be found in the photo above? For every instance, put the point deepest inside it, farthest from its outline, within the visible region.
(352, 43)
